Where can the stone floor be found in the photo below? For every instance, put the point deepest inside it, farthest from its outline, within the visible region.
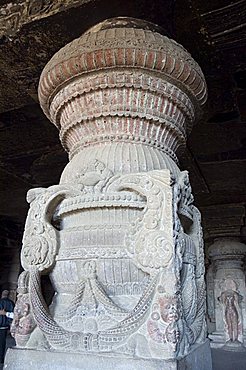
(222, 360)
(228, 360)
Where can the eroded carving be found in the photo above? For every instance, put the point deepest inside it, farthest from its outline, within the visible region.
(23, 323)
(40, 237)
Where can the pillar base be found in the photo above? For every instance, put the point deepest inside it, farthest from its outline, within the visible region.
(218, 341)
(22, 359)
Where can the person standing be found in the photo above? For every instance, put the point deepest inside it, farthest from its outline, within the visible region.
(6, 315)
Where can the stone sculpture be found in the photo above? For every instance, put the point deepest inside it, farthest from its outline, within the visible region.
(227, 288)
(119, 236)
(232, 314)
(23, 324)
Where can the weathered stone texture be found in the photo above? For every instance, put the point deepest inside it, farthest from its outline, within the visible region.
(22, 359)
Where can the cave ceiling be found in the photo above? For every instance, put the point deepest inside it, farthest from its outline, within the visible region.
(213, 31)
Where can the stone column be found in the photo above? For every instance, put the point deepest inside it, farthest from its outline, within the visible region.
(227, 293)
(119, 236)
(13, 274)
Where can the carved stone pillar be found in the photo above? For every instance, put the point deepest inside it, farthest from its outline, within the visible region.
(226, 293)
(119, 236)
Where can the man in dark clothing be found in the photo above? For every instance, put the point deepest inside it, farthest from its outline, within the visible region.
(6, 306)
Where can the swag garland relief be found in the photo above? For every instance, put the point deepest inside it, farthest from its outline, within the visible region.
(164, 243)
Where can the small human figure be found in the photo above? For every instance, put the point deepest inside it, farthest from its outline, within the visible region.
(23, 323)
(6, 316)
(230, 300)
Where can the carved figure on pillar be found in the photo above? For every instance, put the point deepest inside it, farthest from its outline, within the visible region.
(227, 287)
(23, 324)
(230, 300)
(119, 236)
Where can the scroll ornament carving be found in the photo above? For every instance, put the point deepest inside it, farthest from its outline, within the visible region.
(148, 243)
(40, 236)
(170, 311)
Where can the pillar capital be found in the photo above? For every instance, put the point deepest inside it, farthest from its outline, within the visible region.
(123, 81)
(227, 248)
